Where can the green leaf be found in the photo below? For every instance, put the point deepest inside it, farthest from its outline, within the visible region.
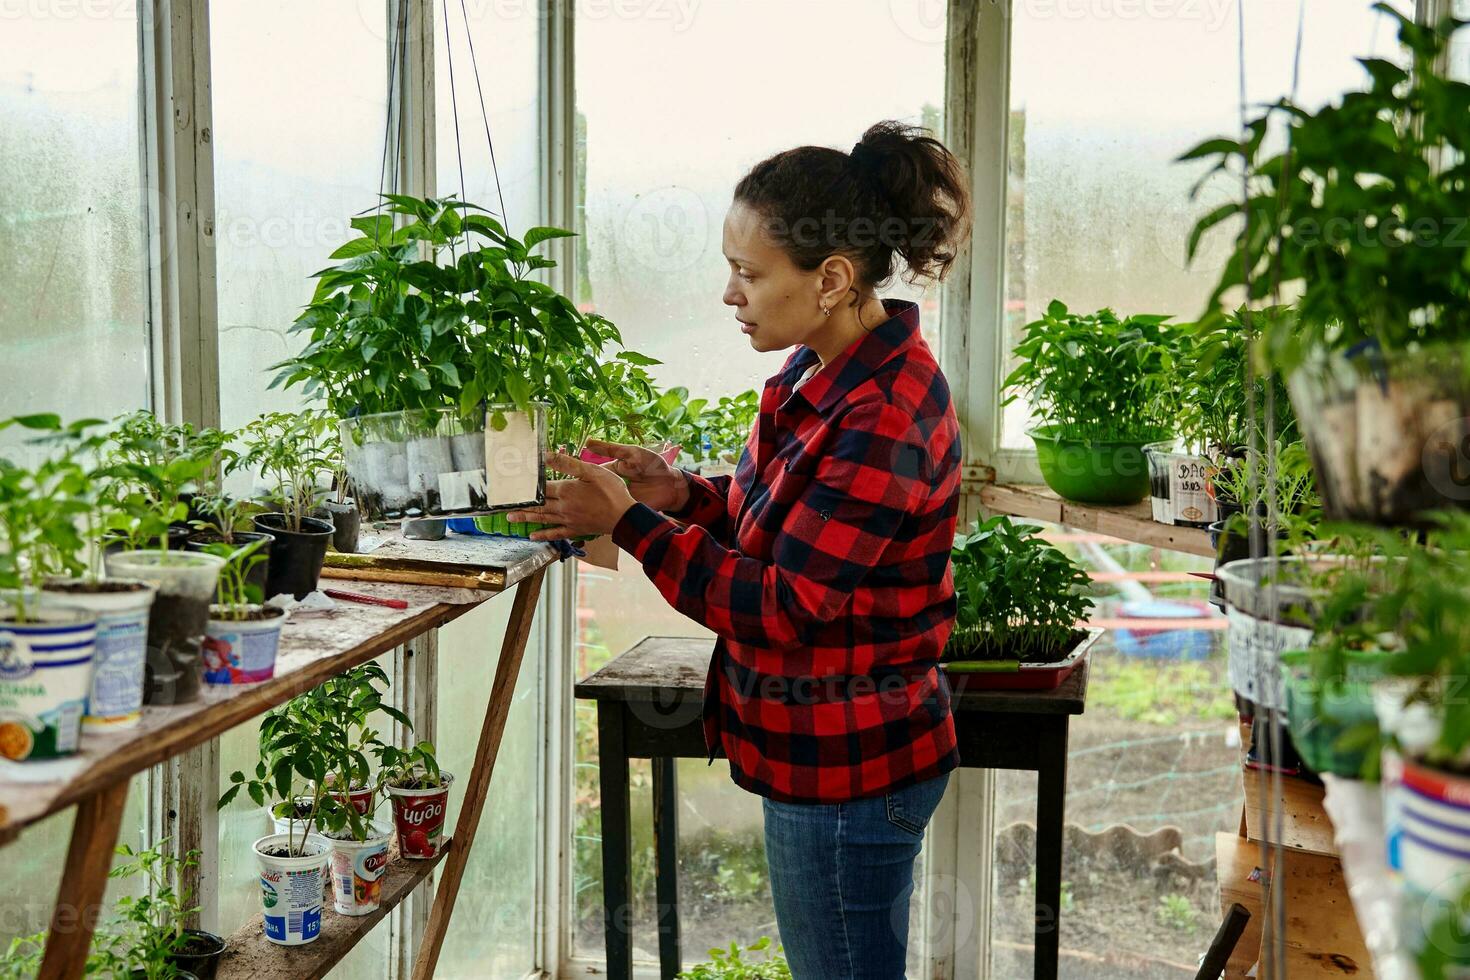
(536, 236)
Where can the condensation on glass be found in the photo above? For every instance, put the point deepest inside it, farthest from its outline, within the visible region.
(74, 311)
(1098, 212)
(298, 148)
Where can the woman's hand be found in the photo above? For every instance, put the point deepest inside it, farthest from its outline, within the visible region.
(651, 480)
(592, 502)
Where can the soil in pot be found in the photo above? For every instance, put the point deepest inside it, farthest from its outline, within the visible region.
(200, 954)
(296, 556)
(177, 620)
(259, 574)
(115, 700)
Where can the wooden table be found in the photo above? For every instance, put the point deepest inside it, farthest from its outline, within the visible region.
(649, 707)
(312, 649)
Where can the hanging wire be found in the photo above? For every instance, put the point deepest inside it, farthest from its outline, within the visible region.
(454, 106)
(484, 115)
(1270, 778)
(395, 54)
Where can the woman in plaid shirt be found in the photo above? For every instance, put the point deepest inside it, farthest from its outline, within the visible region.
(822, 565)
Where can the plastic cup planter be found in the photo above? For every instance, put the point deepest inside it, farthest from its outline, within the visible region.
(291, 887)
(115, 698)
(1427, 837)
(242, 651)
(418, 816)
(1094, 471)
(1178, 484)
(1385, 432)
(358, 868)
(1266, 606)
(497, 523)
(45, 677)
(259, 574)
(178, 619)
(431, 464)
(1319, 713)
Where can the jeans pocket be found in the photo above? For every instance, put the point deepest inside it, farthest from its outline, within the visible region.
(910, 808)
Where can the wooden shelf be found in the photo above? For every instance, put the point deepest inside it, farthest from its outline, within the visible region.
(1133, 522)
(493, 563)
(1236, 859)
(1305, 826)
(313, 648)
(1322, 934)
(248, 954)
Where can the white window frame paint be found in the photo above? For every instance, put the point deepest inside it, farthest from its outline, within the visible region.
(178, 219)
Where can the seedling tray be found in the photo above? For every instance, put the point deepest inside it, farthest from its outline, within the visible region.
(1015, 675)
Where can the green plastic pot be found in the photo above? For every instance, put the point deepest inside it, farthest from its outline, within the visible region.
(497, 524)
(1319, 713)
(1094, 471)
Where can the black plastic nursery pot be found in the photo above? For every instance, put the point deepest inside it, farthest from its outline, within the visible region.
(296, 556)
(258, 575)
(200, 955)
(346, 524)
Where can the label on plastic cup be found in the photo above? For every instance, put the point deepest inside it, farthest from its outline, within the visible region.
(241, 652)
(358, 868)
(45, 674)
(292, 903)
(291, 889)
(117, 685)
(418, 816)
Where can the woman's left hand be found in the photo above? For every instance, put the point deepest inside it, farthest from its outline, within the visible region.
(592, 502)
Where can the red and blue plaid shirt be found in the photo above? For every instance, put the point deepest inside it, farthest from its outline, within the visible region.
(823, 568)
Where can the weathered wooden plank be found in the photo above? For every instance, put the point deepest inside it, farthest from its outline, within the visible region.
(485, 562)
(502, 693)
(1133, 522)
(83, 881)
(249, 954)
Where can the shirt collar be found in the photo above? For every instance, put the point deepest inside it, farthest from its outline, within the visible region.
(856, 364)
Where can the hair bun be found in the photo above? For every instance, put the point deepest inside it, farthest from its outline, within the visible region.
(899, 196)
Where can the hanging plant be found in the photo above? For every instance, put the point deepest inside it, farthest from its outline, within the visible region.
(1362, 217)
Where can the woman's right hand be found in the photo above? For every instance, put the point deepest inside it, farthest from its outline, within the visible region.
(651, 480)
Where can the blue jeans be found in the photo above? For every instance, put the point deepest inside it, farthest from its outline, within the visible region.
(841, 878)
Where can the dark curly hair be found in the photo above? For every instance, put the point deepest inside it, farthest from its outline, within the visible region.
(899, 196)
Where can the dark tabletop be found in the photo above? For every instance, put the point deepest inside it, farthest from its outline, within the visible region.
(659, 666)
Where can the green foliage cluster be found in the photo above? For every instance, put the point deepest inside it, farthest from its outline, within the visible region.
(1019, 597)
